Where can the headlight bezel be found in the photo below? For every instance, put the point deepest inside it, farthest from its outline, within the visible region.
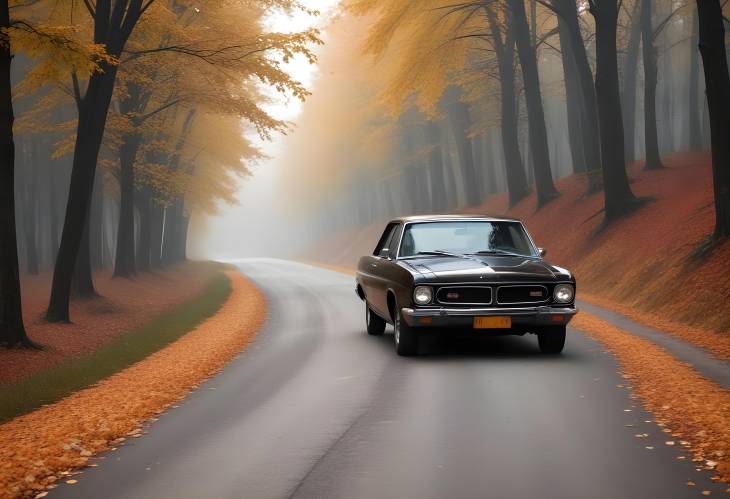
(428, 290)
(564, 286)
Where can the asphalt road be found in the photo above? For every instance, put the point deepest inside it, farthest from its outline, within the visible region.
(316, 408)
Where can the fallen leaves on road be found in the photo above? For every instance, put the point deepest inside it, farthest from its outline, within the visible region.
(691, 406)
(39, 448)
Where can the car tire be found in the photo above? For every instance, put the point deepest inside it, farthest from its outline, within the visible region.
(406, 337)
(375, 324)
(551, 339)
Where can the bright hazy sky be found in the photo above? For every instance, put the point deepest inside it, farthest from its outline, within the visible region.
(253, 227)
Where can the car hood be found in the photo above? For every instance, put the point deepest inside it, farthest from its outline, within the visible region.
(485, 268)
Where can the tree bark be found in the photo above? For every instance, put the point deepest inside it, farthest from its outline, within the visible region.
(618, 196)
(535, 113)
(628, 94)
(648, 53)
(573, 99)
(12, 329)
(717, 83)
(513, 167)
(82, 283)
(157, 219)
(124, 265)
(592, 146)
(459, 121)
(113, 24)
(695, 128)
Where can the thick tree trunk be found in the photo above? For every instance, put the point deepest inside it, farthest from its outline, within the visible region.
(90, 131)
(628, 93)
(513, 167)
(124, 265)
(458, 113)
(653, 159)
(12, 330)
(573, 99)
(618, 196)
(535, 113)
(717, 83)
(592, 146)
(82, 283)
(695, 128)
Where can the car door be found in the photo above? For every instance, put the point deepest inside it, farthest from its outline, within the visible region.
(373, 277)
(384, 270)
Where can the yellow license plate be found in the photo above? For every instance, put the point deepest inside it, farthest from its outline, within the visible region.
(493, 322)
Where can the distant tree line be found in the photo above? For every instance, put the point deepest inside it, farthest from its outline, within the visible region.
(490, 96)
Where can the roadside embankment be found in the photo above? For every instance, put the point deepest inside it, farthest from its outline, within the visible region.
(45, 446)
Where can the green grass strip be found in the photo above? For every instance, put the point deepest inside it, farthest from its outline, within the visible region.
(74, 374)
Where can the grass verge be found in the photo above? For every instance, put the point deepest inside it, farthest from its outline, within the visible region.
(77, 373)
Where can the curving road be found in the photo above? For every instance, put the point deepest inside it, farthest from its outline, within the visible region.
(316, 408)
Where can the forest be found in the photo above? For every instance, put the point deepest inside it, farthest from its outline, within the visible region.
(123, 121)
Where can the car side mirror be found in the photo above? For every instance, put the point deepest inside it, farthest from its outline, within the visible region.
(384, 253)
(542, 252)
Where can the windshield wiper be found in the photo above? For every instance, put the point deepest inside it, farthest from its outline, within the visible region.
(497, 252)
(439, 253)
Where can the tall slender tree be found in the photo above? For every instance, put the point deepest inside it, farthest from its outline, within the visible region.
(653, 159)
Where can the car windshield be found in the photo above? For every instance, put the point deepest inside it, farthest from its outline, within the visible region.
(465, 238)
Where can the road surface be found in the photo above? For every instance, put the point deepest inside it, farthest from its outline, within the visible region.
(316, 408)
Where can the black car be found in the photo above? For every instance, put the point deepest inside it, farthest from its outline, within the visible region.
(463, 273)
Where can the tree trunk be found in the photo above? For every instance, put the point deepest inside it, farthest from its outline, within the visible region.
(30, 215)
(592, 146)
(717, 83)
(435, 167)
(695, 129)
(82, 283)
(513, 167)
(628, 94)
(618, 196)
(96, 233)
(653, 159)
(458, 113)
(144, 202)
(535, 113)
(90, 131)
(12, 330)
(156, 229)
(124, 265)
(573, 99)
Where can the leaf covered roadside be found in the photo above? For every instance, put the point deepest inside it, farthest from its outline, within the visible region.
(43, 447)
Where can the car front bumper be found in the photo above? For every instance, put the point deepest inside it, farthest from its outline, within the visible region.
(522, 318)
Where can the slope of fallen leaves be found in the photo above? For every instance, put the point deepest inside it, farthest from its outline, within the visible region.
(639, 265)
(41, 448)
(694, 410)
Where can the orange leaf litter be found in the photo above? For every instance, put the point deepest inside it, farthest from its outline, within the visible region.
(694, 409)
(42, 447)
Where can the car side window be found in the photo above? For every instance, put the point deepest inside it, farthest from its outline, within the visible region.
(385, 238)
(394, 240)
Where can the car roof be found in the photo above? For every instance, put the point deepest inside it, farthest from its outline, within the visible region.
(453, 218)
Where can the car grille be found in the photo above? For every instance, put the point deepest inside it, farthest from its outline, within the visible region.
(465, 295)
(512, 295)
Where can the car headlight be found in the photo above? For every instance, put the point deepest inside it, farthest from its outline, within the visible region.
(563, 293)
(422, 295)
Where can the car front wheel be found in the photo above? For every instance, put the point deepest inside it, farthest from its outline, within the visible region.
(551, 339)
(375, 323)
(406, 338)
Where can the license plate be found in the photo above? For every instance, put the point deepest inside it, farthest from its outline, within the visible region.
(493, 322)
